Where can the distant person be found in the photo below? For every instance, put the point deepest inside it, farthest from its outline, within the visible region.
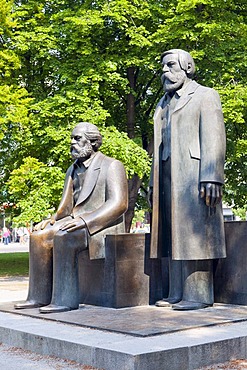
(6, 236)
(20, 235)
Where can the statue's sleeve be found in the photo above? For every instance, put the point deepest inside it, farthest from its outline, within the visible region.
(212, 138)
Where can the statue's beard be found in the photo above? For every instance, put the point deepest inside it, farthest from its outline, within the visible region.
(83, 153)
(173, 83)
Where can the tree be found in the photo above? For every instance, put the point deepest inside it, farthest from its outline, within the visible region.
(63, 95)
(14, 100)
(99, 61)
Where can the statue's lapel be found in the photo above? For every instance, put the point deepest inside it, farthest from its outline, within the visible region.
(90, 178)
(68, 194)
(66, 204)
(160, 109)
(186, 96)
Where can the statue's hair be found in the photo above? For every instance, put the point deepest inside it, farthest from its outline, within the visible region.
(184, 59)
(91, 133)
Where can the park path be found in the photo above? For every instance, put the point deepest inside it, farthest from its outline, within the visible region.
(14, 247)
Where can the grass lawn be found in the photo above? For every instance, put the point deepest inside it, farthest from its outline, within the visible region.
(14, 264)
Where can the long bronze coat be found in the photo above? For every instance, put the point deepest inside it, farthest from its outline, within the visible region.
(101, 203)
(197, 155)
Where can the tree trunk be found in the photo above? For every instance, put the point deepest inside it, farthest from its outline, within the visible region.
(134, 185)
(131, 103)
(135, 182)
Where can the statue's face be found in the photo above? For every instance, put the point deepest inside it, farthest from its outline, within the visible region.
(173, 77)
(81, 148)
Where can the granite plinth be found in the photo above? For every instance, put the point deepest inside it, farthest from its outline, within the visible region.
(230, 280)
(119, 280)
(181, 340)
(128, 277)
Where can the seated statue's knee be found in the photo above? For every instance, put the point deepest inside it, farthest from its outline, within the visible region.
(38, 234)
(73, 240)
(44, 232)
(60, 234)
(60, 238)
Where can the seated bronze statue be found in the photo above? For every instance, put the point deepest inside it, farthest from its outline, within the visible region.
(93, 204)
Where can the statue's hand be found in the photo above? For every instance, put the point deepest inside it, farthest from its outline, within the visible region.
(211, 192)
(76, 224)
(41, 225)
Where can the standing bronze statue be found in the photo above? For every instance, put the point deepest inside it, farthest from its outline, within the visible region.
(186, 183)
(93, 203)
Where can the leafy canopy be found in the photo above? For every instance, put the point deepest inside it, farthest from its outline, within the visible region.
(65, 61)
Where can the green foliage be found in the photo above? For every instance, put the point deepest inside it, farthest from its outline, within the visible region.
(234, 98)
(65, 61)
(38, 188)
(118, 145)
(139, 217)
(215, 33)
(241, 212)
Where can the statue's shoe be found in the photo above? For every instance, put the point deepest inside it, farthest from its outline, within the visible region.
(53, 308)
(186, 305)
(28, 304)
(167, 302)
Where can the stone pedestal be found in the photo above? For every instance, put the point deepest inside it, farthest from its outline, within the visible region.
(230, 281)
(119, 280)
(127, 277)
